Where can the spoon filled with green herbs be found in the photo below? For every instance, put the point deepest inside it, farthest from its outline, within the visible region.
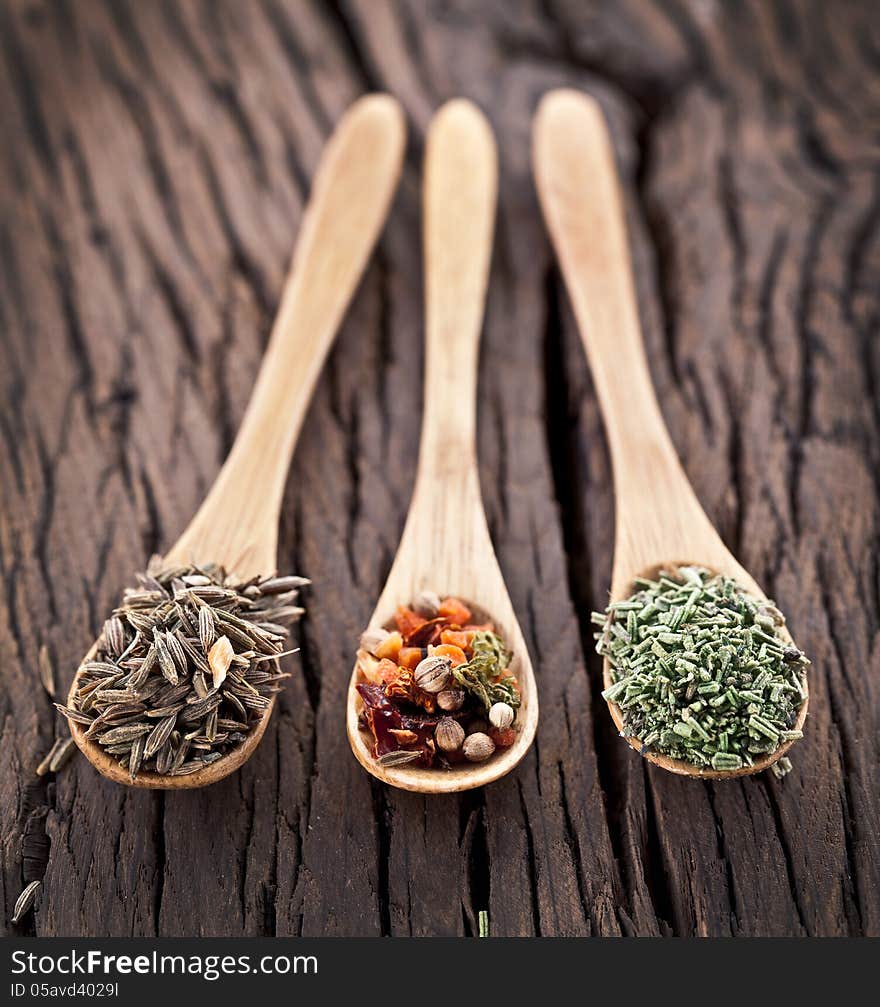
(701, 674)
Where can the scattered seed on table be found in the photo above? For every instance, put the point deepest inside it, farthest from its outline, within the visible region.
(47, 671)
(26, 900)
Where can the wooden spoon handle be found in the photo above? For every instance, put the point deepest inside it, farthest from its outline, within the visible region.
(356, 178)
(579, 194)
(446, 538)
(461, 178)
(577, 186)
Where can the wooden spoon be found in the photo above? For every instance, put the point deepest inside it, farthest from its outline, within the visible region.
(237, 525)
(446, 546)
(659, 521)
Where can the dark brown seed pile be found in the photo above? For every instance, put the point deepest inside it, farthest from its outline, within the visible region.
(186, 666)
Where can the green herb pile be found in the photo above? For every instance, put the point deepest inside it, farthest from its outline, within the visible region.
(478, 676)
(699, 672)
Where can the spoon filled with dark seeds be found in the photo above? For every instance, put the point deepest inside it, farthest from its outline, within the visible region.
(185, 670)
(178, 689)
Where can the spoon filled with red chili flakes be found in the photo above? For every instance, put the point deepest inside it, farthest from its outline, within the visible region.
(443, 696)
(437, 689)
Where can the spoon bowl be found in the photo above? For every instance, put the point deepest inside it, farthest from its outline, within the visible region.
(464, 776)
(679, 766)
(446, 547)
(237, 525)
(145, 779)
(659, 523)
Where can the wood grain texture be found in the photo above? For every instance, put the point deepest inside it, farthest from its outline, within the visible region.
(154, 179)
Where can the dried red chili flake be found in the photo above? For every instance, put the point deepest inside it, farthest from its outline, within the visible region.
(382, 717)
(455, 611)
(404, 689)
(388, 671)
(389, 727)
(503, 738)
(417, 721)
(427, 634)
(408, 621)
(404, 737)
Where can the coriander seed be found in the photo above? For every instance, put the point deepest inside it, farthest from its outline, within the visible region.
(433, 674)
(501, 716)
(449, 735)
(478, 747)
(451, 700)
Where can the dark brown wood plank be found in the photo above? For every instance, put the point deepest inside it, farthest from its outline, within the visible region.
(149, 198)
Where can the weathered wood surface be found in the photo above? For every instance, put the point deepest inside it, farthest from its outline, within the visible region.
(155, 162)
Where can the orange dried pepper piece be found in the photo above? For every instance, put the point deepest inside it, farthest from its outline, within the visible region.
(454, 610)
(428, 632)
(390, 646)
(388, 671)
(503, 738)
(409, 657)
(403, 736)
(457, 638)
(408, 621)
(455, 654)
(406, 689)
(507, 676)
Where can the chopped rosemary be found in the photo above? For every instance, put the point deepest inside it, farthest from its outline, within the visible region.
(698, 670)
(479, 675)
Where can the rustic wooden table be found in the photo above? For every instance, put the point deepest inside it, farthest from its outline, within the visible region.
(155, 162)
